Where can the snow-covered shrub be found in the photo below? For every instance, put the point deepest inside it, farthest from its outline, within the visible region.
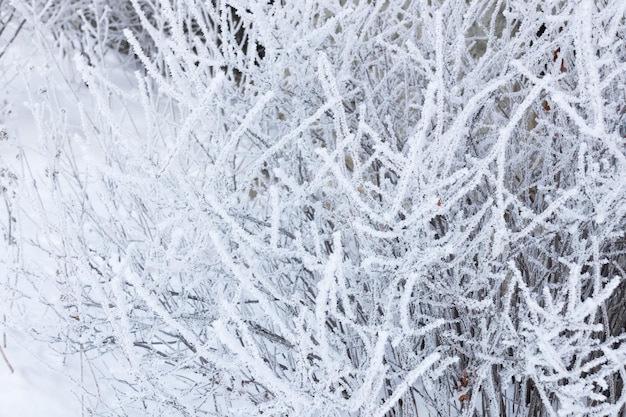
(89, 27)
(383, 208)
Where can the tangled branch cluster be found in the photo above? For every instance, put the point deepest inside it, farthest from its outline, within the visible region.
(350, 208)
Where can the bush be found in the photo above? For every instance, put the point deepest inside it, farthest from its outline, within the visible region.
(380, 209)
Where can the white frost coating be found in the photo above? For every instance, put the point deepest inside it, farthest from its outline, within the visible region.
(156, 307)
(256, 365)
(375, 372)
(316, 208)
(276, 209)
(406, 384)
(326, 295)
(235, 138)
(588, 60)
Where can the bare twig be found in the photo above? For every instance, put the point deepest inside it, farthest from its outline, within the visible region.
(6, 360)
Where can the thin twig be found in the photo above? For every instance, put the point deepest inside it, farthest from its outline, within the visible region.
(17, 31)
(6, 360)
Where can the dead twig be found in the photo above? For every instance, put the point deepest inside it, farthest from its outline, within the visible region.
(6, 360)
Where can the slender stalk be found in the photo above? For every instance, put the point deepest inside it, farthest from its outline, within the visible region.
(6, 360)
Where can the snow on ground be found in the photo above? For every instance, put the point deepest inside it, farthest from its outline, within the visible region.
(37, 388)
